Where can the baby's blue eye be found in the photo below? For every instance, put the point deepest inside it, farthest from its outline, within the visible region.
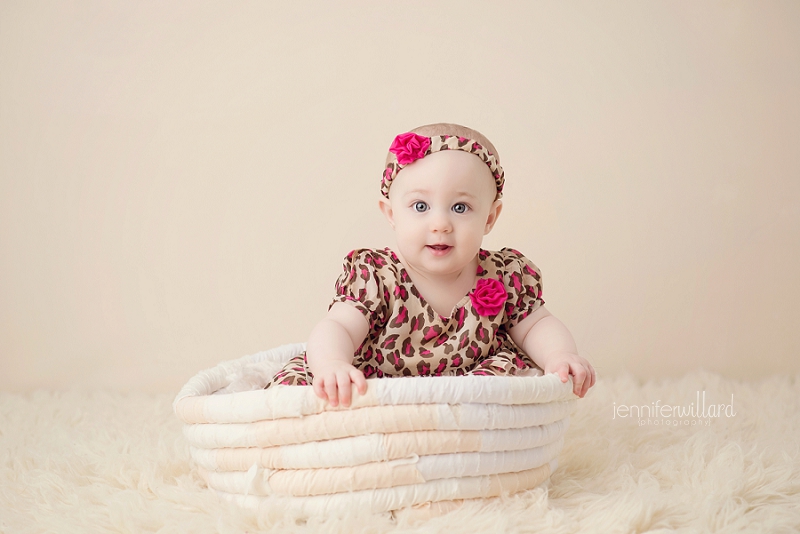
(420, 206)
(460, 208)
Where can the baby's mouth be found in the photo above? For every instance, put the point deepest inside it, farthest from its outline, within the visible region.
(440, 248)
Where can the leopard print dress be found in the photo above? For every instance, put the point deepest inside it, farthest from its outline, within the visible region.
(408, 338)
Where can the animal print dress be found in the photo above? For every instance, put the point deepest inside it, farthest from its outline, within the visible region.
(408, 338)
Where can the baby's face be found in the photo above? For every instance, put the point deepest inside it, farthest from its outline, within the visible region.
(440, 207)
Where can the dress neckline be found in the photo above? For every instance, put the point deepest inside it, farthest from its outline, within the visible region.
(461, 302)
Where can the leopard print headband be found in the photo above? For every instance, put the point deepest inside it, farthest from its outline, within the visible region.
(409, 147)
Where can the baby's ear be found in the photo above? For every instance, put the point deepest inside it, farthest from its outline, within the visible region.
(494, 213)
(386, 207)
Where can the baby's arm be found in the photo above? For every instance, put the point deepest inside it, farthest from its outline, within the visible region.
(548, 342)
(330, 351)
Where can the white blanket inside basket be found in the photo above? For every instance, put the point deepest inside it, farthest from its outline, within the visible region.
(256, 375)
(250, 377)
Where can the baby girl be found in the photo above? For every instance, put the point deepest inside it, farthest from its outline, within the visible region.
(438, 304)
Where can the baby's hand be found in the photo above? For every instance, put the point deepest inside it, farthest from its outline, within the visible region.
(567, 363)
(332, 382)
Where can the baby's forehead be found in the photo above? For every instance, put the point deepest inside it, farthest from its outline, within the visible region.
(447, 171)
(452, 161)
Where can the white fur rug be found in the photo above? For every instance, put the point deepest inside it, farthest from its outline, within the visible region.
(107, 462)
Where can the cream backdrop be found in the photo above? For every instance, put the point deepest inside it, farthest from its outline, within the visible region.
(179, 181)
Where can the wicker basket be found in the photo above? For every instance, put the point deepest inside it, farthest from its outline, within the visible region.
(406, 442)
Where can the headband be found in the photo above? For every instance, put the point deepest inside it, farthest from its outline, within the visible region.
(409, 147)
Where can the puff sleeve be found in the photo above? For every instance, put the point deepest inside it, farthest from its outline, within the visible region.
(523, 281)
(361, 284)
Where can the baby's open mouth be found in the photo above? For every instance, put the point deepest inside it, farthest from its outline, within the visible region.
(440, 247)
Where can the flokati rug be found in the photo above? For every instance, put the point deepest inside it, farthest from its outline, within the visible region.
(108, 462)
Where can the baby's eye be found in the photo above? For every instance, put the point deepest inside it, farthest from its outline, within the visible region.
(420, 206)
(460, 207)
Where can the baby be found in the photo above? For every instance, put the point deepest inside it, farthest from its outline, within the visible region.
(438, 304)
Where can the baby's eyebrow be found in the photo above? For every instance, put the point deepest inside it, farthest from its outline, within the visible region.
(425, 191)
(416, 192)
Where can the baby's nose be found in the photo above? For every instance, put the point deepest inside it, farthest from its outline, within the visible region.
(440, 222)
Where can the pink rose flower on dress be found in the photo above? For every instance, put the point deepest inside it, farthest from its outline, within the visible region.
(409, 147)
(488, 296)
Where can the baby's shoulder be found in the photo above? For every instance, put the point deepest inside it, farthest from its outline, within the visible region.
(509, 262)
(379, 264)
(505, 257)
(375, 258)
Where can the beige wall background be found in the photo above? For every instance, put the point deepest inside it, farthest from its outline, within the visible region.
(179, 181)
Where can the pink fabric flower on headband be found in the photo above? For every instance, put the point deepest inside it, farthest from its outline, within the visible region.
(488, 296)
(409, 147)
